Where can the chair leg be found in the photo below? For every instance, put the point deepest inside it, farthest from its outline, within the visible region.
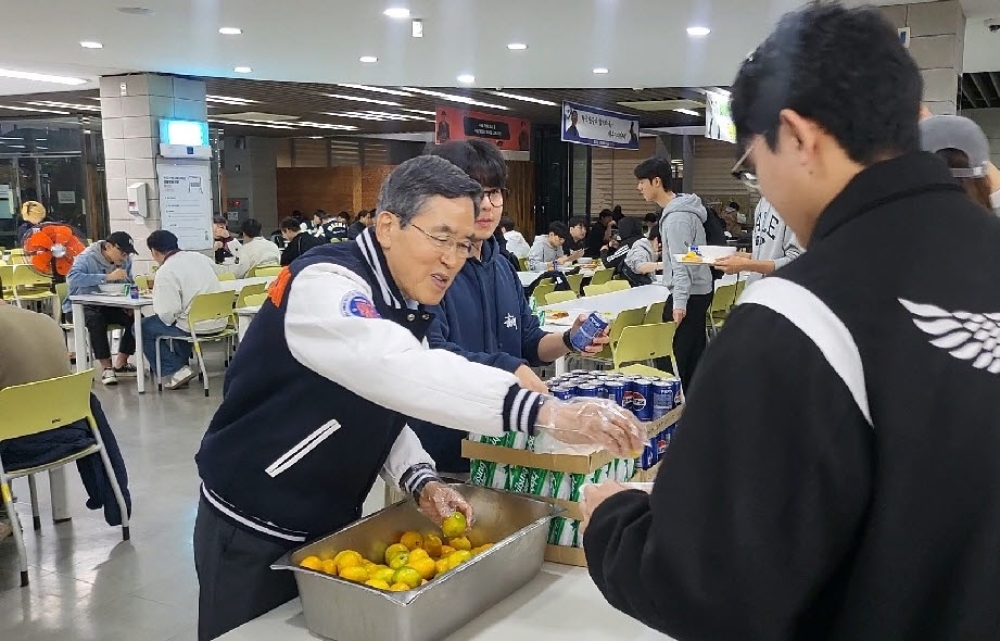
(36, 520)
(201, 365)
(159, 372)
(15, 525)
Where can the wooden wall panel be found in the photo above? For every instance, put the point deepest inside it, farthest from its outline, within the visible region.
(310, 188)
(372, 177)
(612, 181)
(520, 205)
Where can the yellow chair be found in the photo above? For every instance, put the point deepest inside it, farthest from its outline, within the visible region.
(645, 371)
(270, 270)
(255, 300)
(29, 286)
(541, 292)
(249, 290)
(523, 264)
(722, 303)
(224, 276)
(38, 407)
(575, 282)
(625, 318)
(642, 343)
(559, 297)
(6, 281)
(602, 276)
(142, 282)
(616, 286)
(204, 308)
(741, 284)
(655, 313)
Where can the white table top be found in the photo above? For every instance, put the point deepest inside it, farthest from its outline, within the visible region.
(111, 300)
(248, 310)
(240, 283)
(560, 604)
(615, 302)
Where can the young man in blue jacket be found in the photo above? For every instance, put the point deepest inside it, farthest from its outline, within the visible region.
(485, 316)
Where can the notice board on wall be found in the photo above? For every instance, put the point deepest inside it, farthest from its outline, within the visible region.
(186, 203)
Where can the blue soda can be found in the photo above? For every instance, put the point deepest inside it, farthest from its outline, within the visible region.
(631, 377)
(678, 396)
(602, 390)
(587, 390)
(663, 398)
(563, 393)
(616, 392)
(650, 454)
(642, 399)
(591, 327)
(662, 443)
(581, 372)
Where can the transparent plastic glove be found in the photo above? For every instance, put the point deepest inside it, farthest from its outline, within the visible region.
(592, 421)
(438, 502)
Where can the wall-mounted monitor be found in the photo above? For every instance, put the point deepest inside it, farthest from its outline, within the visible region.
(189, 133)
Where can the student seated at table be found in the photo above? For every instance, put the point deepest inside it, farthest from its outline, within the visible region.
(549, 249)
(256, 250)
(516, 244)
(106, 261)
(613, 254)
(577, 234)
(296, 242)
(182, 276)
(330, 228)
(225, 245)
(364, 221)
(643, 259)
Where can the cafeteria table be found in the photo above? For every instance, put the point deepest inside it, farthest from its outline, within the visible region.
(560, 604)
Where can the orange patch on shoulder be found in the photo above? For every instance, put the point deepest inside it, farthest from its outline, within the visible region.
(280, 285)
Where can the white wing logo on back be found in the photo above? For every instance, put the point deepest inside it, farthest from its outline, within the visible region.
(964, 335)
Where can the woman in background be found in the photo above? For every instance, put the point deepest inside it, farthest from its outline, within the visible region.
(963, 145)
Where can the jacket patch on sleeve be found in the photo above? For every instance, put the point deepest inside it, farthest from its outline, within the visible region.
(357, 304)
(276, 292)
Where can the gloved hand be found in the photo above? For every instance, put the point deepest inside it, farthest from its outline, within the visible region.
(592, 421)
(439, 501)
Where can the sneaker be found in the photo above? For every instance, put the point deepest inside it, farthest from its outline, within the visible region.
(109, 377)
(127, 370)
(180, 378)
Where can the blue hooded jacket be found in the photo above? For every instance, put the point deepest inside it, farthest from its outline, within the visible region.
(485, 318)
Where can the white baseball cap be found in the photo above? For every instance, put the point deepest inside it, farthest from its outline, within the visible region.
(956, 132)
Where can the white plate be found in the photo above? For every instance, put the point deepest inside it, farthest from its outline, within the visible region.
(561, 322)
(704, 261)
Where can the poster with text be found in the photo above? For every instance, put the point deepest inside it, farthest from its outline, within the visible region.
(508, 134)
(585, 125)
(186, 204)
(718, 117)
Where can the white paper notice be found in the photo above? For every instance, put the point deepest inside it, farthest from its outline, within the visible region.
(186, 204)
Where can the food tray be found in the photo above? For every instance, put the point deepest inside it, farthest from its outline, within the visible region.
(338, 609)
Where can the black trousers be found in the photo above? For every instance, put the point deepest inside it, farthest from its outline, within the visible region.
(691, 336)
(97, 320)
(235, 577)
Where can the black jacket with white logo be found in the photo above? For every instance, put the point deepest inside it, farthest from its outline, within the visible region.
(837, 471)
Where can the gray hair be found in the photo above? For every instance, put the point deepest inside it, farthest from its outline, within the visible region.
(408, 187)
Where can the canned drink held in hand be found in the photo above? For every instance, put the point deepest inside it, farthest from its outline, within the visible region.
(584, 336)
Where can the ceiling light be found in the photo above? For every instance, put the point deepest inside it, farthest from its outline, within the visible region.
(135, 11)
(230, 100)
(325, 125)
(421, 112)
(417, 28)
(368, 59)
(391, 92)
(517, 46)
(465, 100)
(248, 123)
(16, 146)
(64, 105)
(315, 137)
(397, 12)
(600, 70)
(689, 112)
(90, 44)
(698, 32)
(466, 78)
(32, 109)
(373, 101)
(514, 96)
(231, 31)
(372, 115)
(242, 69)
(41, 77)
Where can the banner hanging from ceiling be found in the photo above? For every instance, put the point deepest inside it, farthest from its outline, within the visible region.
(718, 117)
(508, 134)
(586, 125)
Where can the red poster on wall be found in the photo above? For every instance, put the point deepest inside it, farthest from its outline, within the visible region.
(509, 134)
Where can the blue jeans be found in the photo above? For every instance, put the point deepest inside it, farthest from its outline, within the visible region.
(170, 360)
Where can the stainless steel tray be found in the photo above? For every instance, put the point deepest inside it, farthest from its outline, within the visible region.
(338, 609)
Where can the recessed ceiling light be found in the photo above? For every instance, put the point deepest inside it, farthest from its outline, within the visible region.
(33, 110)
(422, 112)
(340, 96)
(315, 137)
(90, 44)
(465, 100)
(230, 31)
(466, 78)
(689, 112)
(229, 100)
(368, 59)
(243, 70)
(417, 28)
(391, 92)
(517, 46)
(41, 77)
(397, 12)
(514, 96)
(600, 70)
(135, 11)
(698, 32)
(64, 105)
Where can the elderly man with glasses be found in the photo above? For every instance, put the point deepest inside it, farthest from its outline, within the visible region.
(319, 395)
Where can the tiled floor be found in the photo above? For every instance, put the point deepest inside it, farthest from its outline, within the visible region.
(86, 583)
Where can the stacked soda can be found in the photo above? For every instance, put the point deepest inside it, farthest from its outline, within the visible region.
(656, 448)
(649, 398)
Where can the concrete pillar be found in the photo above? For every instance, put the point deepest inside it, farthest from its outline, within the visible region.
(251, 170)
(131, 109)
(937, 43)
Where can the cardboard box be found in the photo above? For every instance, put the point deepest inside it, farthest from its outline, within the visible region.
(565, 556)
(655, 427)
(647, 476)
(572, 508)
(569, 463)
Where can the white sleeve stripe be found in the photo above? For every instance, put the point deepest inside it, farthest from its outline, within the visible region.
(818, 322)
(532, 398)
(516, 411)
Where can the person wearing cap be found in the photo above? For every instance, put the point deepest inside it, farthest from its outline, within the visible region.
(106, 261)
(962, 144)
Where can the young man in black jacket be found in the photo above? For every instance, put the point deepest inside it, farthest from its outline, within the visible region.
(835, 474)
(297, 242)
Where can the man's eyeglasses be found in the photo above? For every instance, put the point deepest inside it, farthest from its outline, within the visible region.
(496, 196)
(462, 248)
(745, 174)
